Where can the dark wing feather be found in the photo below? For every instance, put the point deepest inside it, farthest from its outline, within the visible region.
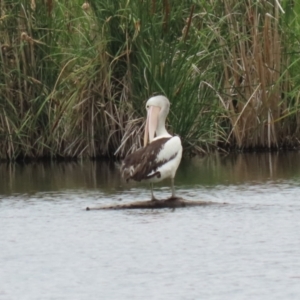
(139, 164)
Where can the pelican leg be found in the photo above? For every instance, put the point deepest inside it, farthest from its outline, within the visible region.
(173, 188)
(152, 194)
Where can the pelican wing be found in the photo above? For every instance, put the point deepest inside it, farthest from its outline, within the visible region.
(145, 162)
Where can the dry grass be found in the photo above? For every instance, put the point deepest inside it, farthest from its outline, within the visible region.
(252, 68)
(255, 76)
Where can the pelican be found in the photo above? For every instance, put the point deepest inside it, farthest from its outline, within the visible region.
(160, 158)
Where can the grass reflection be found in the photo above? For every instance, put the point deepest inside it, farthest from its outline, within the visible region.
(55, 176)
(240, 168)
(104, 176)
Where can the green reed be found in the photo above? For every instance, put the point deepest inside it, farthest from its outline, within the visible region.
(74, 76)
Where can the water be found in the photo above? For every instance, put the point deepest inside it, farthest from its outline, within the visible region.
(51, 248)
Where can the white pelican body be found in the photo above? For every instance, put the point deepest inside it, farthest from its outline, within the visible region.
(160, 158)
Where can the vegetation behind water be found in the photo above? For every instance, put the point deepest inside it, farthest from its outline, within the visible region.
(74, 76)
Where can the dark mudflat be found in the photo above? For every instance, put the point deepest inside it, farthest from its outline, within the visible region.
(156, 204)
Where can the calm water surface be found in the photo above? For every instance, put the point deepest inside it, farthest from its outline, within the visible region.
(51, 248)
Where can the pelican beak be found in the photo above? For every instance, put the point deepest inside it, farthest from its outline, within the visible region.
(151, 124)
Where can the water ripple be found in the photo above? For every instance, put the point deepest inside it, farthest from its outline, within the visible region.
(51, 248)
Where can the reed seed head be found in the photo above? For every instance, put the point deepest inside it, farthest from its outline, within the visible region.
(24, 36)
(85, 6)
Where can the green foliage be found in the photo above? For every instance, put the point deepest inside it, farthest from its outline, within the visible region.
(161, 52)
(74, 77)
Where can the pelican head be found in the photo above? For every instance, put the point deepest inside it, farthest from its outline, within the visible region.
(157, 110)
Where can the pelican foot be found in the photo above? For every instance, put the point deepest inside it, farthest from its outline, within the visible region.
(172, 198)
(154, 199)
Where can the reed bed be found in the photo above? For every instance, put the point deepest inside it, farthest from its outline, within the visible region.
(257, 81)
(74, 76)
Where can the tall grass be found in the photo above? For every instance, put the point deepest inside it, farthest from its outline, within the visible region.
(74, 76)
(257, 79)
(159, 52)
